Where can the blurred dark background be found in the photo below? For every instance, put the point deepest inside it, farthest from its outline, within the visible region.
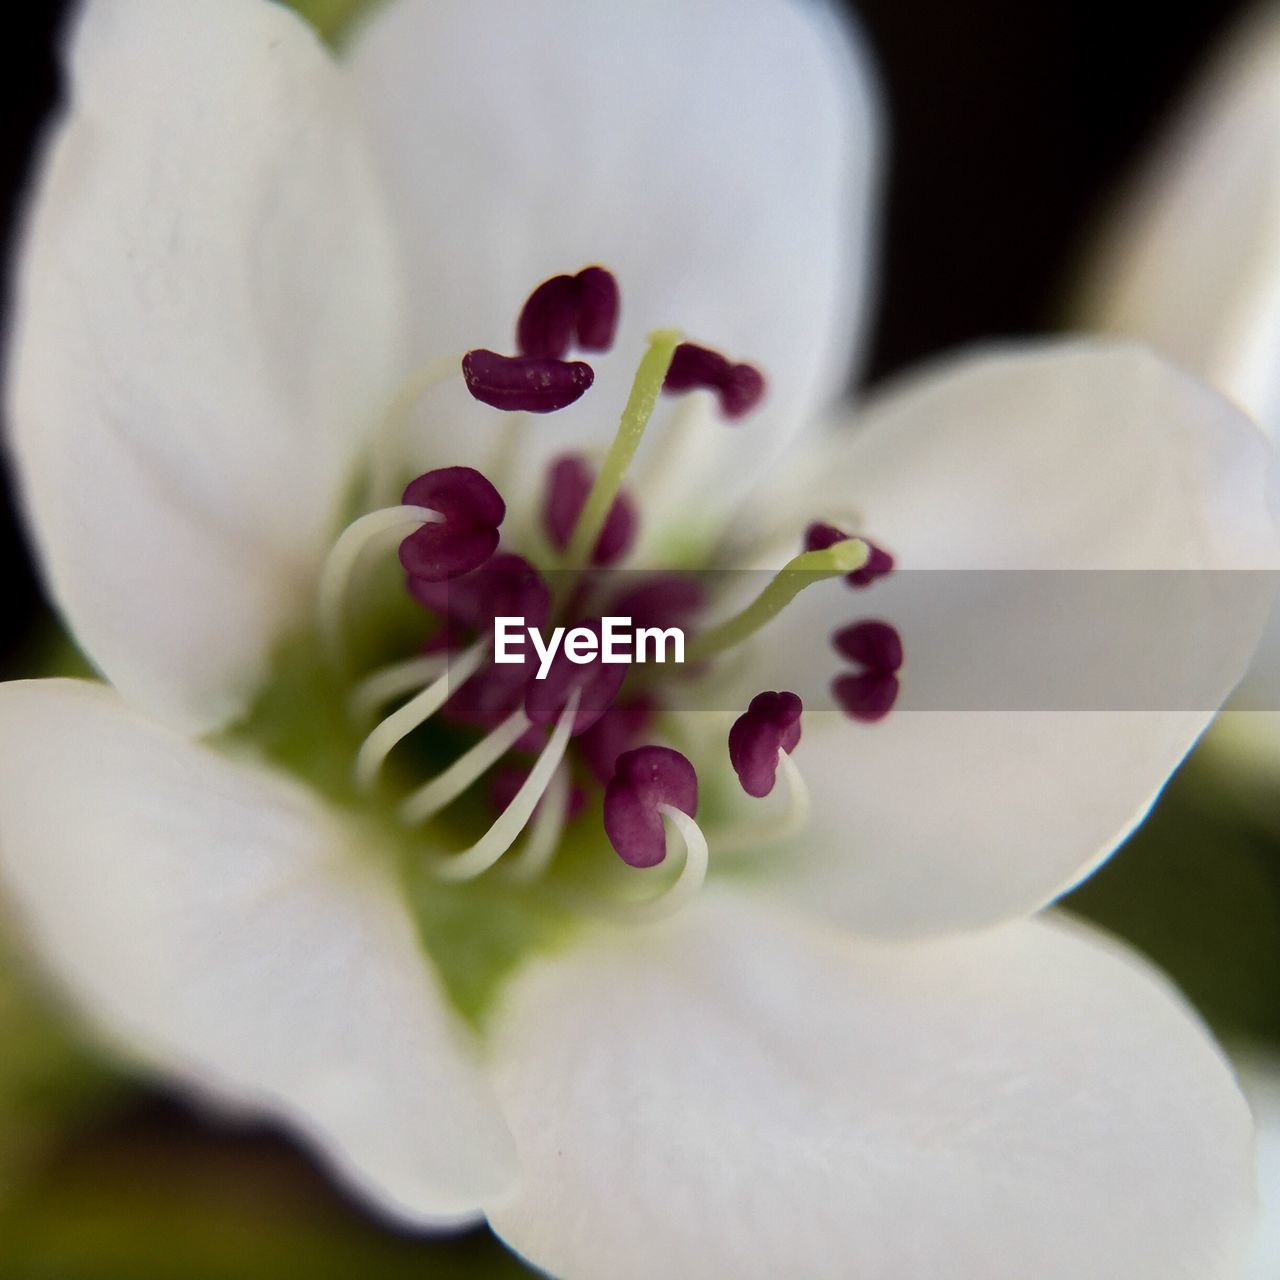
(1012, 124)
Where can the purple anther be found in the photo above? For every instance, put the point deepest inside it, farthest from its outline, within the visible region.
(508, 586)
(548, 319)
(872, 644)
(585, 306)
(877, 647)
(467, 536)
(511, 777)
(662, 600)
(769, 725)
(532, 384)
(644, 779)
(569, 482)
(597, 681)
(818, 537)
(615, 732)
(740, 387)
(599, 304)
(868, 697)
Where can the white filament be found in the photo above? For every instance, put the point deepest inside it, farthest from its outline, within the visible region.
(545, 832)
(446, 787)
(676, 896)
(515, 817)
(792, 819)
(507, 451)
(376, 690)
(403, 721)
(386, 455)
(388, 526)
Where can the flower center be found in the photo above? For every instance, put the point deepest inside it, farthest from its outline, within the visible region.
(493, 735)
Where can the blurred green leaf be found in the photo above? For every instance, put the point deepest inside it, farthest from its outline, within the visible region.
(1197, 888)
(331, 17)
(49, 1081)
(154, 1201)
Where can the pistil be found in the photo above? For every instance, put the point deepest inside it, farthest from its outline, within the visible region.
(801, 571)
(645, 390)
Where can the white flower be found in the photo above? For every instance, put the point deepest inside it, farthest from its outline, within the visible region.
(215, 308)
(1192, 265)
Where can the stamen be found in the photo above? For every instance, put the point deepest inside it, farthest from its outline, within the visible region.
(586, 304)
(800, 572)
(548, 319)
(403, 721)
(545, 831)
(789, 822)
(390, 682)
(446, 787)
(615, 732)
(510, 778)
(867, 697)
(387, 526)
(502, 834)
(679, 894)
(507, 585)
(491, 695)
(472, 509)
(635, 417)
(877, 647)
(599, 305)
(767, 730)
(525, 383)
(568, 485)
(879, 563)
(653, 786)
(591, 685)
(646, 782)
(740, 387)
(871, 643)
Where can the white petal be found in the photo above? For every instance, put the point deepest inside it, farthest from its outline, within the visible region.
(741, 1095)
(205, 328)
(1193, 263)
(1040, 712)
(719, 155)
(1260, 1079)
(221, 927)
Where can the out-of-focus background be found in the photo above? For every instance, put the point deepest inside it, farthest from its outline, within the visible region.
(1012, 126)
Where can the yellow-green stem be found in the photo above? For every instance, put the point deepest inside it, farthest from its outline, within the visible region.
(802, 571)
(635, 417)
